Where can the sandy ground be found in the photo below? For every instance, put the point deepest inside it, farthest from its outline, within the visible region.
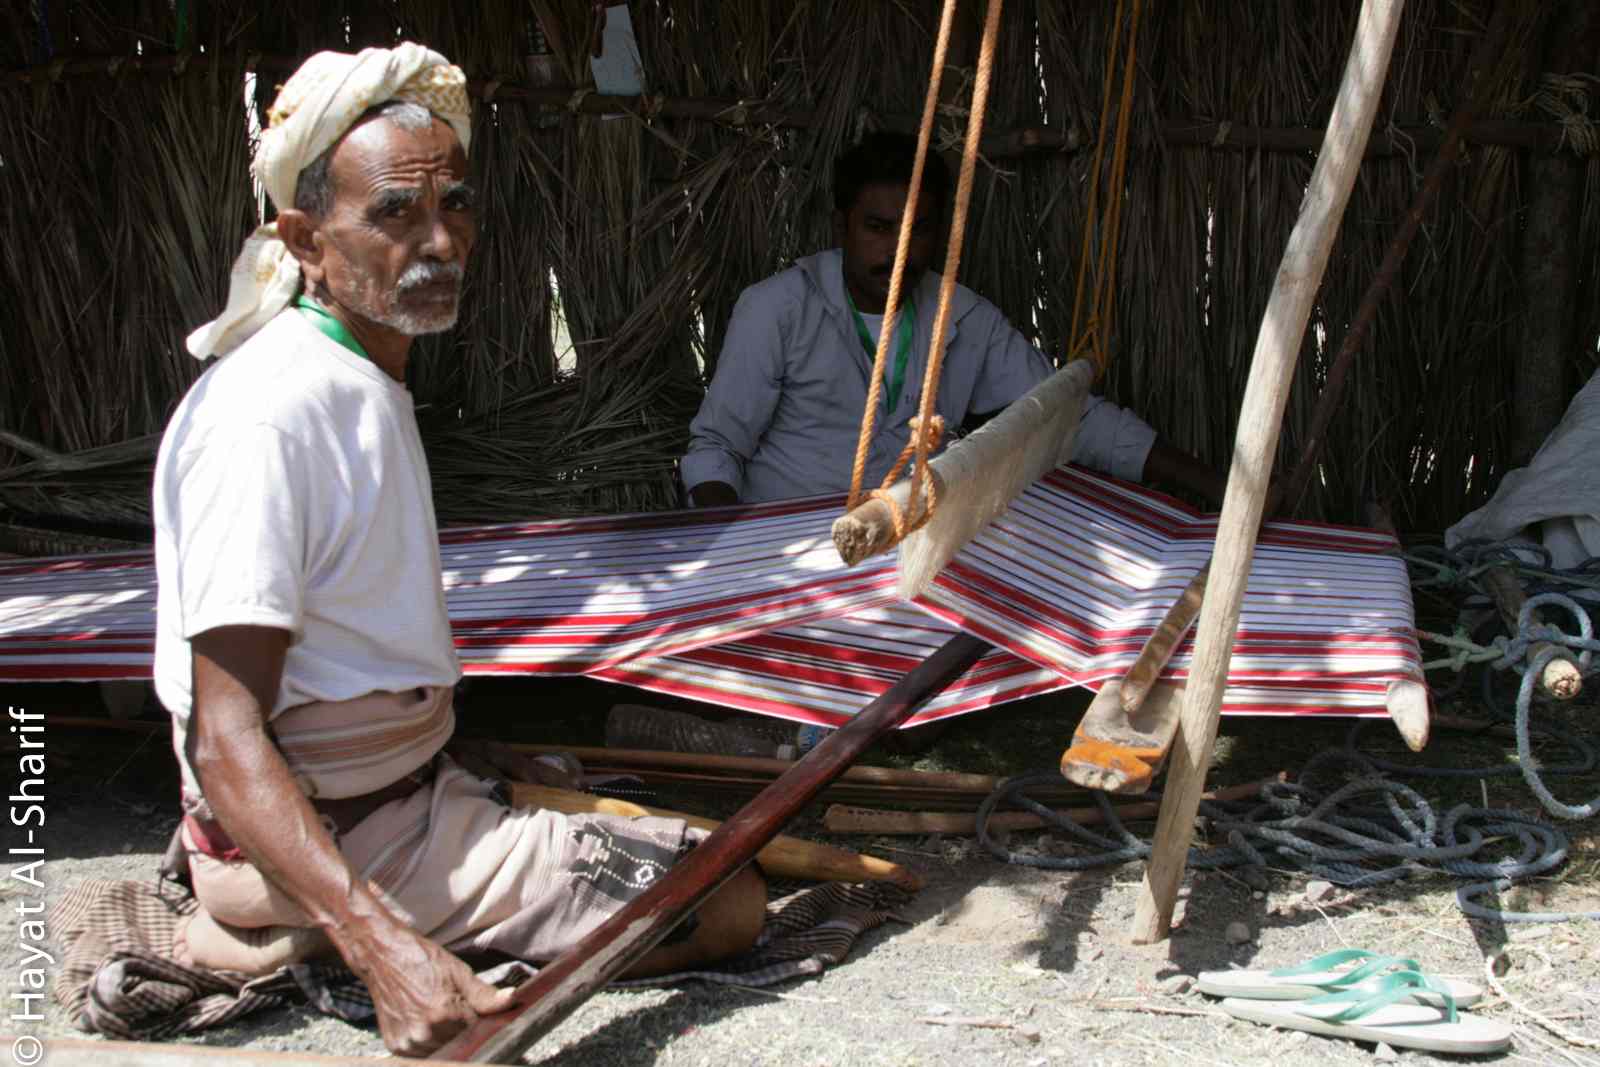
(1040, 959)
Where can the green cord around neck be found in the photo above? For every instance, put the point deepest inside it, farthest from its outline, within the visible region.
(330, 327)
(894, 373)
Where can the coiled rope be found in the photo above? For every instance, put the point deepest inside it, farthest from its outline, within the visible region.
(1372, 829)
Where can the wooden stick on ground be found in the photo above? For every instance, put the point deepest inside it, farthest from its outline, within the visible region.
(1561, 677)
(566, 982)
(843, 819)
(783, 857)
(1260, 418)
(757, 766)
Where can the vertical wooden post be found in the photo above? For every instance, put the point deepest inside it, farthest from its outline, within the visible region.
(1550, 255)
(1261, 416)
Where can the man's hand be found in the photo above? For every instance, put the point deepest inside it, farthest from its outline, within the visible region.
(1171, 466)
(423, 994)
(713, 495)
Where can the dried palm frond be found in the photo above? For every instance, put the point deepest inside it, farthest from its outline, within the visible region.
(124, 200)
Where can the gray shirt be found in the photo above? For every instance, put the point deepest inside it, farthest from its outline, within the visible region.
(783, 412)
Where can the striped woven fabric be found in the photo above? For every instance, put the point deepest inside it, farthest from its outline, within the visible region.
(580, 595)
(825, 671)
(751, 609)
(563, 596)
(1076, 574)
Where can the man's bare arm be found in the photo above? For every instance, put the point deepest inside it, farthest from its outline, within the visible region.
(423, 994)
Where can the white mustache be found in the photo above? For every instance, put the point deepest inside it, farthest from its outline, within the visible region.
(420, 275)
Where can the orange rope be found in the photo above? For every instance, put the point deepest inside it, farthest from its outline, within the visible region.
(925, 436)
(891, 310)
(927, 427)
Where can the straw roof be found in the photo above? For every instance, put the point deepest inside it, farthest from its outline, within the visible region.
(124, 193)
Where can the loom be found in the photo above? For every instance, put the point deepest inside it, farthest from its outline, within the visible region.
(750, 607)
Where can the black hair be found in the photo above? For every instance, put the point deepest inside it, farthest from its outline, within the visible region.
(884, 157)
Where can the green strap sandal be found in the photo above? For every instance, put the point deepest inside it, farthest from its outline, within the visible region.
(1328, 973)
(1388, 1009)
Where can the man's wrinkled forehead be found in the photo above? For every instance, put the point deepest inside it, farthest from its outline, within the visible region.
(378, 152)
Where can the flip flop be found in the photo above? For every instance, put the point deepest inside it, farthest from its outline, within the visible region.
(1329, 973)
(1390, 1015)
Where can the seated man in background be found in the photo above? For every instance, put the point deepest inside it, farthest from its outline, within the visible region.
(303, 647)
(783, 413)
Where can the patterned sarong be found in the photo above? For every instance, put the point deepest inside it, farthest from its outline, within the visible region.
(117, 976)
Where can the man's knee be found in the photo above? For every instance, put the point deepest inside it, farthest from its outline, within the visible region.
(737, 911)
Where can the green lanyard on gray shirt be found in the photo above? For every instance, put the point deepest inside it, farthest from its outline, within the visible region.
(894, 375)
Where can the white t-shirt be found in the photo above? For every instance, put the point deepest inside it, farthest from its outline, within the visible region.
(291, 491)
(873, 323)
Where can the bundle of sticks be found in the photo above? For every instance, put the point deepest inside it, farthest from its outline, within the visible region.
(748, 775)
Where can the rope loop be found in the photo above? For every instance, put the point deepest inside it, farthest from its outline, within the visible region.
(922, 444)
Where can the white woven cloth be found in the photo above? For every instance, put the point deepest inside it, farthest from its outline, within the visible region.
(1555, 498)
(315, 108)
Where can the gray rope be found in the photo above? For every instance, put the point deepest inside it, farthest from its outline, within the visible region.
(1372, 829)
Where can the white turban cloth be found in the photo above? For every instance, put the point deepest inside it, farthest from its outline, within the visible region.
(315, 108)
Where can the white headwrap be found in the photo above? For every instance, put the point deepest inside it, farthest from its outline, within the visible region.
(314, 108)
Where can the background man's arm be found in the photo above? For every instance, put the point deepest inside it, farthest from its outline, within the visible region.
(423, 994)
(1167, 464)
(1110, 438)
(739, 402)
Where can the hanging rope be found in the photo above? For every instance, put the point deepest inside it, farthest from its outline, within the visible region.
(891, 309)
(1092, 318)
(927, 427)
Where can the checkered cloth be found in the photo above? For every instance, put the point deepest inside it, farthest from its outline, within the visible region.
(118, 978)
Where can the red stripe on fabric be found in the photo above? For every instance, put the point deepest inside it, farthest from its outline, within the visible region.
(650, 520)
(78, 672)
(849, 585)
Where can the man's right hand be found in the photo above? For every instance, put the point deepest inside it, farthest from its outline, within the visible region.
(423, 994)
(713, 495)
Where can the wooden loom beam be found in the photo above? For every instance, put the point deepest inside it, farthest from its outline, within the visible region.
(1260, 419)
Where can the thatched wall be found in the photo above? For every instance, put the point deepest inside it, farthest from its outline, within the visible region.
(124, 194)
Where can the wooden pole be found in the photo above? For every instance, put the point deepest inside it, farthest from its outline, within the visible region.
(563, 985)
(783, 857)
(1260, 419)
(846, 819)
(1551, 258)
(975, 479)
(758, 766)
(1169, 634)
(1561, 678)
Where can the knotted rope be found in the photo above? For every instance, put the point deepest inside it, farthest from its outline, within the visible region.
(927, 428)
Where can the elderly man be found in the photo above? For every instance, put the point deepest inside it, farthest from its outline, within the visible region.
(783, 412)
(303, 646)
